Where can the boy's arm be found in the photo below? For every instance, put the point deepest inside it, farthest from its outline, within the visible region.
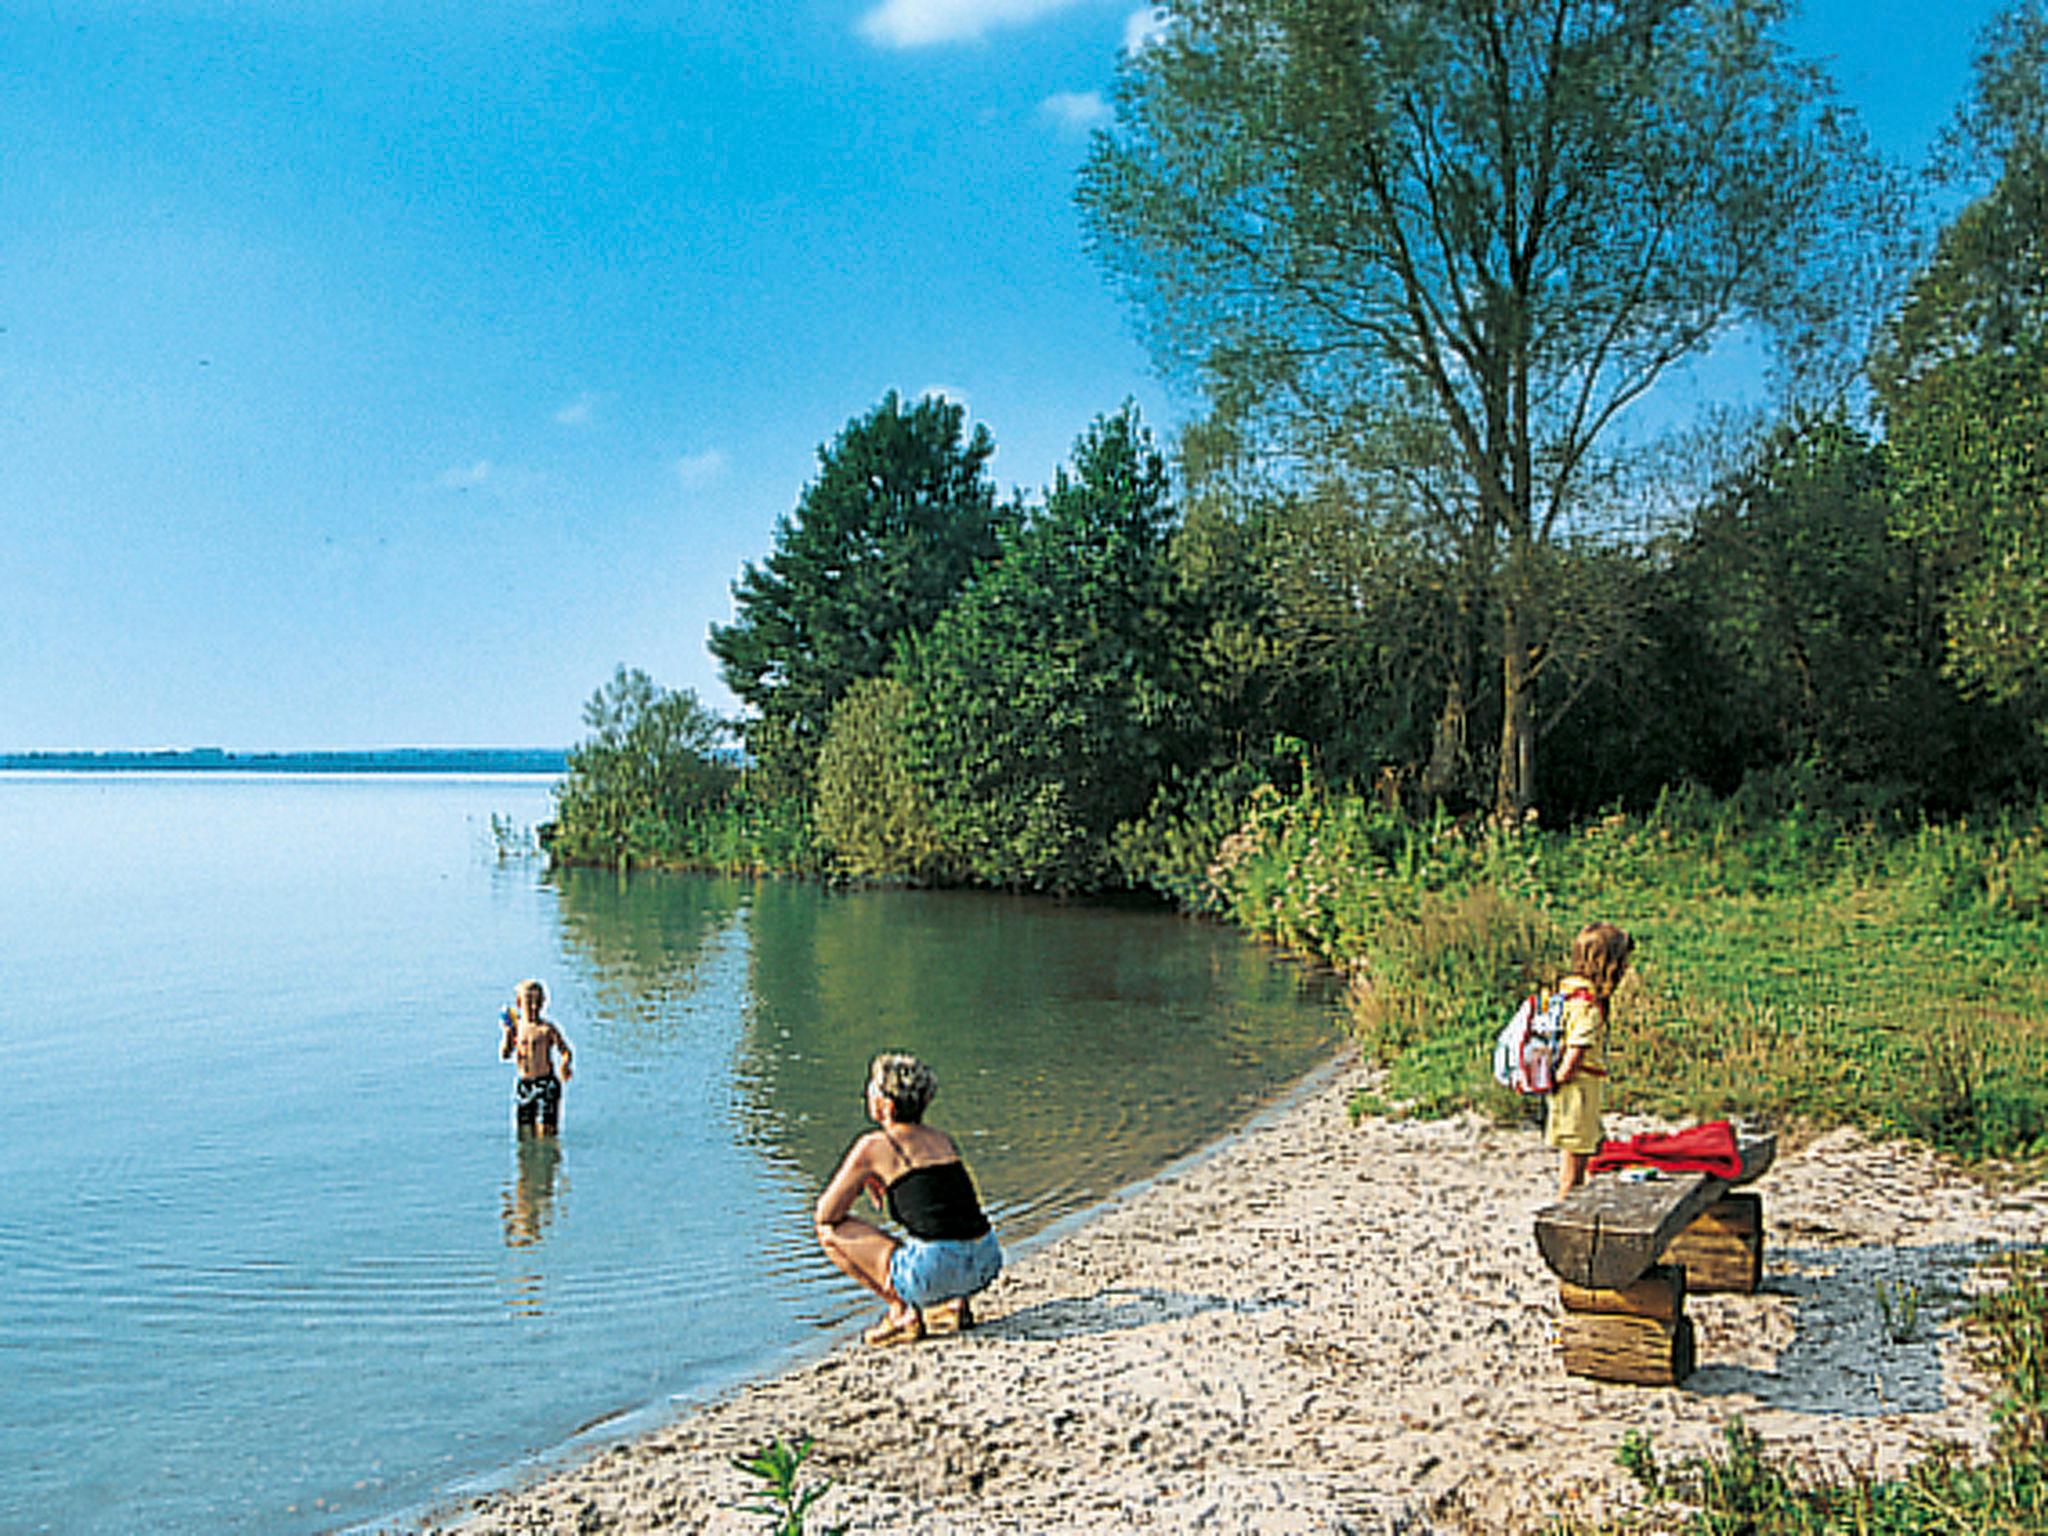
(511, 1039)
(1581, 1029)
(568, 1055)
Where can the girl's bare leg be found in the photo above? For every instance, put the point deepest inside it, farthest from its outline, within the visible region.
(1572, 1174)
(863, 1251)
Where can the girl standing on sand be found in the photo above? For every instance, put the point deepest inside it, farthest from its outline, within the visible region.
(1600, 956)
(949, 1252)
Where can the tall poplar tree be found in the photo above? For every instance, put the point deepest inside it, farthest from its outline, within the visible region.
(1485, 227)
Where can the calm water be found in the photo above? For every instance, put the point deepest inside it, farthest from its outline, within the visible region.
(273, 1259)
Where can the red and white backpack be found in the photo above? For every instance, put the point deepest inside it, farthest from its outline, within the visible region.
(1531, 1044)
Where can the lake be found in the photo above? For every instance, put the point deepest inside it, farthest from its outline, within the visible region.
(276, 1261)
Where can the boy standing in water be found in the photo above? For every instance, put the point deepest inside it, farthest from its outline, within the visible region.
(531, 1041)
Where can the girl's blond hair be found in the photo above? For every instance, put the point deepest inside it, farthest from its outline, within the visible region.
(1601, 954)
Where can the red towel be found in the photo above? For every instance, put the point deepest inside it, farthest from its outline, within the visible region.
(1708, 1148)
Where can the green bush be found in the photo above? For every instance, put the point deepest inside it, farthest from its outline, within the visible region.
(634, 784)
(873, 818)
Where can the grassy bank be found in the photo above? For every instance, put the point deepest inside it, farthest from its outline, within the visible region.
(1807, 967)
(1792, 964)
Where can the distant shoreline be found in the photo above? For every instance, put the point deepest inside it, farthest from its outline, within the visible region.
(215, 760)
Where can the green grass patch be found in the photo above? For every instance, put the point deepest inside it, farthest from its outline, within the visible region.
(1790, 965)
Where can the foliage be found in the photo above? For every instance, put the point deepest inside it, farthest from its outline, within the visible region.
(1823, 631)
(1311, 616)
(873, 816)
(647, 767)
(879, 544)
(1745, 1490)
(1171, 847)
(1446, 247)
(1044, 710)
(785, 1503)
(1746, 999)
(1963, 378)
(753, 832)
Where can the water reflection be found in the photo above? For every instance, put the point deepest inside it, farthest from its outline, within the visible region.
(1077, 1046)
(527, 1209)
(644, 938)
(529, 1198)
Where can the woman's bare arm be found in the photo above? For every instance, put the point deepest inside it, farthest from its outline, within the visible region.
(855, 1171)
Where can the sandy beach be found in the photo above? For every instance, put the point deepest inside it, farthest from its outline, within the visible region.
(1323, 1327)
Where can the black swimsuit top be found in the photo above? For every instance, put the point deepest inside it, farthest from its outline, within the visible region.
(937, 1203)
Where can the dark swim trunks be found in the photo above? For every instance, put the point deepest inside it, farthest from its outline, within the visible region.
(540, 1100)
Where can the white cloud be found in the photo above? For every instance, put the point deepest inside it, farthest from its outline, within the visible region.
(1144, 28)
(467, 477)
(696, 470)
(578, 412)
(1075, 111)
(921, 23)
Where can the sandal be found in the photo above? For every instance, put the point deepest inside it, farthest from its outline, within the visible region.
(888, 1331)
(954, 1316)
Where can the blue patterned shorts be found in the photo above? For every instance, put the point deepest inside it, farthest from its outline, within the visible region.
(927, 1273)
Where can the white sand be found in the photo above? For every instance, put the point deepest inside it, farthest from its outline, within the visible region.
(1334, 1328)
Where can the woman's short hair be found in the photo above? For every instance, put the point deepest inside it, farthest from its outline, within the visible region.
(905, 1082)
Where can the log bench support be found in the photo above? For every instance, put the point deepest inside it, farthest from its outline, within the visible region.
(1723, 1249)
(1638, 1333)
(1627, 1254)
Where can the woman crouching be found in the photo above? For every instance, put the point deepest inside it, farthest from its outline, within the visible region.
(949, 1252)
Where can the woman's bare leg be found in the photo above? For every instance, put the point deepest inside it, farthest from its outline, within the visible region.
(863, 1252)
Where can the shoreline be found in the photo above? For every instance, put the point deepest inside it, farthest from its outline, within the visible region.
(1315, 1327)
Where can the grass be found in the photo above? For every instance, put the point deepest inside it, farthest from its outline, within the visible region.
(1745, 1490)
(782, 1499)
(1790, 966)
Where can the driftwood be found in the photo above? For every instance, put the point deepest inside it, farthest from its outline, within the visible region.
(1606, 1233)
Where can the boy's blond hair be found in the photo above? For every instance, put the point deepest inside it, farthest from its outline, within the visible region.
(1601, 954)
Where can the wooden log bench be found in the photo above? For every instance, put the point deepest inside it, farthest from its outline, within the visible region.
(1627, 1253)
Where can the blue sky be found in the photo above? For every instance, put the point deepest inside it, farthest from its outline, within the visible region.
(384, 372)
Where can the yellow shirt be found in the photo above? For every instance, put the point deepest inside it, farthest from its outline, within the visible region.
(1585, 1025)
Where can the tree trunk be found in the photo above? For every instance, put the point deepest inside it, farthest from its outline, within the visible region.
(1515, 778)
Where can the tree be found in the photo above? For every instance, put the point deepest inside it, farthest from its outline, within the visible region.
(1963, 379)
(649, 762)
(879, 544)
(1044, 712)
(1451, 244)
(1308, 621)
(872, 814)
